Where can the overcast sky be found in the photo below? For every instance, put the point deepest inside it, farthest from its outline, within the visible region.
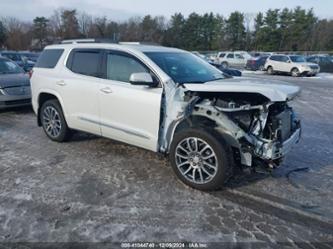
(122, 9)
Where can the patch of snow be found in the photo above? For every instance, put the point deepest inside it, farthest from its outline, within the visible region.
(325, 75)
(26, 197)
(252, 72)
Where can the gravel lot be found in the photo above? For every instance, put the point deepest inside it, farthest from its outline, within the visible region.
(94, 189)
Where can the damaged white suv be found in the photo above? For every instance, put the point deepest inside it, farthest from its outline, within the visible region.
(165, 100)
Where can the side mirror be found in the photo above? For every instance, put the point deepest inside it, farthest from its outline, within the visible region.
(142, 79)
(288, 61)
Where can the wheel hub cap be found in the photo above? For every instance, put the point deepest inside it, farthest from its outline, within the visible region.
(51, 121)
(196, 160)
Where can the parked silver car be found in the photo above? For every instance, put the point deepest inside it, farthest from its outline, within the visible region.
(14, 85)
(234, 59)
(296, 65)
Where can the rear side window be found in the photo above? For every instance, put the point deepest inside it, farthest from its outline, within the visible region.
(238, 56)
(85, 61)
(284, 58)
(231, 56)
(49, 58)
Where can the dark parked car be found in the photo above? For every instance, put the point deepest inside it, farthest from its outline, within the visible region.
(229, 71)
(19, 59)
(14, 85)
(257, 63)
(32, 56)
(324, 61)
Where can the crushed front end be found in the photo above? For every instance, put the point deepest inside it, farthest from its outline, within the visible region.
(256, 128)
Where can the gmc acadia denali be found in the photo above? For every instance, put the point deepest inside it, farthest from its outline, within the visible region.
(165, 100)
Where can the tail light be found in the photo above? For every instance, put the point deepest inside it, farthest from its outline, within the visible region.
(30, 73)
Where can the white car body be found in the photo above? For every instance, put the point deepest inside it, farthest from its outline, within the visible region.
(232, 59)
(149, 117)
(285, 64)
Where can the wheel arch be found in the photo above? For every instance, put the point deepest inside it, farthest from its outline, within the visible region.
(45, 96)
(294, 67)
(200, 121)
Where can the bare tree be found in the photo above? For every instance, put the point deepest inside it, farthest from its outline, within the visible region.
(85, 23)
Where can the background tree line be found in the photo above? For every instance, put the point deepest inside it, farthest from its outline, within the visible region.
(275, 30)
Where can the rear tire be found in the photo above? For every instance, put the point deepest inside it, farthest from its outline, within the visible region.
(270, 70)
(53, 121)
(201, 159)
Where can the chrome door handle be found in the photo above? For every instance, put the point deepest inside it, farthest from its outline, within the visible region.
(61, 83)
(106, 90)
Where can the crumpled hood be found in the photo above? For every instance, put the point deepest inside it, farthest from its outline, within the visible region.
(12, 80)
(274, 92)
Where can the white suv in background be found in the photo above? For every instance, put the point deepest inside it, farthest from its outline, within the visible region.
(295, 65)
(165, 100)
(232, 59)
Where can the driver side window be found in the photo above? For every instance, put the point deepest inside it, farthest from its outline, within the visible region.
(120, 67)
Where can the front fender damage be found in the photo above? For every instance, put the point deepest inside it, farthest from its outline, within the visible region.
(263, 134)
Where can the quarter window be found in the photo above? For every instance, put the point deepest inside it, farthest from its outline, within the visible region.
(120, 67)
(274, 58)
(49, 58)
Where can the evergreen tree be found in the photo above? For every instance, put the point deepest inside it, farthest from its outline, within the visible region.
(235, 31)
(40, 30)
(3, 35)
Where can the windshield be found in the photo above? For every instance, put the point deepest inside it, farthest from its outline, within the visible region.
(14, 57)
(185, 67)
(297, 58)
(9, 67)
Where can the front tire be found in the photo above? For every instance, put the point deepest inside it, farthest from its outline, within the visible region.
(295, 72)
(201, 159)
(53, 121)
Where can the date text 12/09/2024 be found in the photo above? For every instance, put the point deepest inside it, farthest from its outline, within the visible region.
(163, 245)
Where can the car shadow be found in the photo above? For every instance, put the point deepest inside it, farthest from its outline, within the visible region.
(80, 136)
(17, 110)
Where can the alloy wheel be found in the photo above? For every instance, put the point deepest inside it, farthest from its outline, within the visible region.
(51, 121)
(196, 160)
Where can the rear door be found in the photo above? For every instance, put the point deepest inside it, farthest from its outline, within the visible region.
(286, 64)
(239, 60)
(230, 58)
(129, 113)
(277, 63)
(80, 87)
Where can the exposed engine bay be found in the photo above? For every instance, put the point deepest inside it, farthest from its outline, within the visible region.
(253, 125)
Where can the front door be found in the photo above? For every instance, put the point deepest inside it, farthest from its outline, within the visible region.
(129, 113)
